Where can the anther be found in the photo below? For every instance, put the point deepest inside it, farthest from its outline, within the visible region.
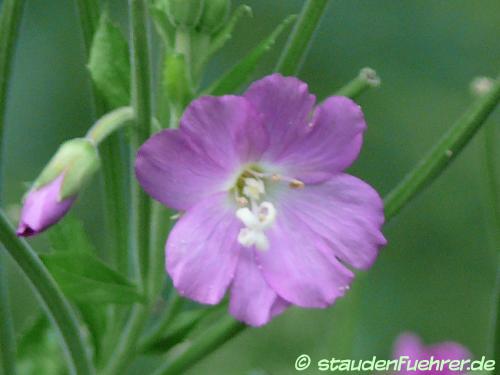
(296, 184)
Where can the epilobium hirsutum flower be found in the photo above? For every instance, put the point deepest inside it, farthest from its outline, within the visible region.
(54, 192)
(410, 345)
(269, 212)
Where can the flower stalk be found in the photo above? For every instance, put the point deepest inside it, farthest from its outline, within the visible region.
(366, 79)
(109, 123)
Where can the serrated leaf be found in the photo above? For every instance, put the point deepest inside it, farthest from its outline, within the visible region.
(242, 71)
(84, 278)
(69, 235)
(226, 33)
(109, 63)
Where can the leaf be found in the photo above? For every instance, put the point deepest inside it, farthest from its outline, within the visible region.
(225, 34)
(84, 278)
(109, 63)
(69, 235)
(242, 71)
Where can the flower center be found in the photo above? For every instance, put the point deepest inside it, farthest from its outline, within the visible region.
(255, 212)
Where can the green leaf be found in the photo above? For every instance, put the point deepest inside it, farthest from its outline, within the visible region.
(84, 278)
(226, 33)
(69, 235)
(242, 71)
(109, 63)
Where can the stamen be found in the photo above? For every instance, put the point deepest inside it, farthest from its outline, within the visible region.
(296, 184)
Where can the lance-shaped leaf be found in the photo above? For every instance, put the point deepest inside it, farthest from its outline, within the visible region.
(69, 235)
(242, 71)
(109, 63)
(84, 278)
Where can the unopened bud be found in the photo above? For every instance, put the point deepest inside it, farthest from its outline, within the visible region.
(55, 191)
(184, 13)
(215, 14)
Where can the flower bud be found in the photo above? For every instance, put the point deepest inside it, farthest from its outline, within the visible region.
(55, 191)
(184, 13)
(214, 15)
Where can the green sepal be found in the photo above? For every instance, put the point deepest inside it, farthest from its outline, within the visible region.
(109, 63)
(78, 159)
(184, 13)
(242, 71)
(214, 15)
(81, 171)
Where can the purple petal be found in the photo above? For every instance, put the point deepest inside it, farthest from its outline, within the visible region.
(345, 212)
(217, 135)
(202, 250)
(329, 144)
(298, 269)
(173, 173)
(285, 105)
(42, 208)
(226, 128)
(411, 346)
(252, 299)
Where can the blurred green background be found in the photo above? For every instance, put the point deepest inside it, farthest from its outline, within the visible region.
(435, 277)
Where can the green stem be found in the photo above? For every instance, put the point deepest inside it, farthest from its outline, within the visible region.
(493, 204)
(446, 149)
(366, 79)
(50, 296)
(141, 98)
(296, 48)
(424, 173)
(9, 25)
(206, 343)
(10, 18)
(109, 123)
(140, 206)
(7, 335)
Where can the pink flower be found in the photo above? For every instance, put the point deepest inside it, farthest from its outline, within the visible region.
(269, 212)
(411, 346)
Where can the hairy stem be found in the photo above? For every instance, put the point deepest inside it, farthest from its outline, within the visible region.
(51, 298)
(296, 47)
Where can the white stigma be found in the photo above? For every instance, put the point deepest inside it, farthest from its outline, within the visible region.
(253, 188)
(255, 223)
